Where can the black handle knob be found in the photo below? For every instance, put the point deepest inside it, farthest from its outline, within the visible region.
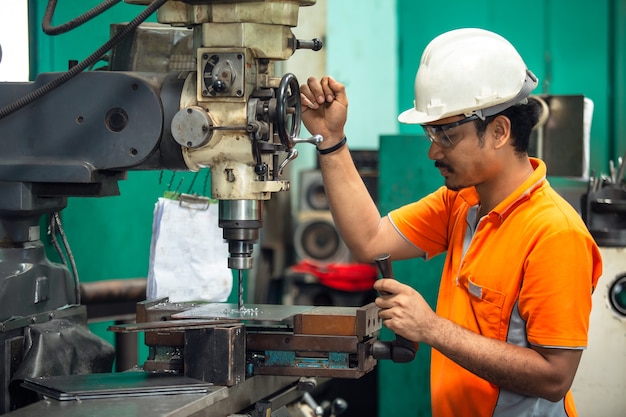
(314, 44)
(383, 262)
(402, 349)
(219, 86)
(338, 407)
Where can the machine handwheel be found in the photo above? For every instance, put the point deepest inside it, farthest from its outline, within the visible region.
(288, 110)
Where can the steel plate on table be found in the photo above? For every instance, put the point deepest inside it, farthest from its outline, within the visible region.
(119, 384)
(250, 312)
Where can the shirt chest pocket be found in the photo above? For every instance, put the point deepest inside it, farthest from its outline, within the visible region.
(484, 313)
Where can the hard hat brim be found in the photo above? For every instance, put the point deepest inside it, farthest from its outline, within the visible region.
(414, 117)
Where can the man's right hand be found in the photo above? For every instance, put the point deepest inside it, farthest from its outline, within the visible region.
(324, 109)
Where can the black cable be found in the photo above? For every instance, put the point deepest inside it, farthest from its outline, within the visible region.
(80, 67)
(48, 29)
(57, 227)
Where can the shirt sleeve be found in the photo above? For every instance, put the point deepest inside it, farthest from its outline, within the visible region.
(424, 223)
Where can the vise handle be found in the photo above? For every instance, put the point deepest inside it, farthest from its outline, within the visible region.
(402, 349)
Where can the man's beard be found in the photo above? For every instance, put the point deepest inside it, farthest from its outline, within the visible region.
(450, 170)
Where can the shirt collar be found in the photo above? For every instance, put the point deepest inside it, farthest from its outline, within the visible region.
(523, 192)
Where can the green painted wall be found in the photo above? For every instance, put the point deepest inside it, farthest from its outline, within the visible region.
(617, 88)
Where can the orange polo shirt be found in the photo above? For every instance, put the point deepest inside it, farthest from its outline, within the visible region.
(524, 274)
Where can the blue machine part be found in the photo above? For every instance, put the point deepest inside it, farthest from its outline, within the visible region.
(335, 360)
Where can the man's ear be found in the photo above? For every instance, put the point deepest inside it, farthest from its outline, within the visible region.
(501, 130)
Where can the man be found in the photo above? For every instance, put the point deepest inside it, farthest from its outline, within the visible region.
(515, 294)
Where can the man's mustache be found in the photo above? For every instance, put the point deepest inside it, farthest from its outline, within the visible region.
(439, 164)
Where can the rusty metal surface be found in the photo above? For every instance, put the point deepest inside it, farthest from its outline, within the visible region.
(165, 338)
(339, 321)
(366, 362)
(216, 354)
(337, 325)
(368, 321)
(303, 343)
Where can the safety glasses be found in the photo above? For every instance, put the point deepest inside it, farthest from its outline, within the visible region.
(445, 135)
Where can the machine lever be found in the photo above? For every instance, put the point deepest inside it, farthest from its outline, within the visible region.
(400, 350)
(293, 154)
(317, 409)
(313, 140)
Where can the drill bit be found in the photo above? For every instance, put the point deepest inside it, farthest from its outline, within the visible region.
(240, 302)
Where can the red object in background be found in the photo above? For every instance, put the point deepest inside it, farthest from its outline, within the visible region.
(344, 277)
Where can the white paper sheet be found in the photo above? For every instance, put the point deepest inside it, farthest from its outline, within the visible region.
(188, 255)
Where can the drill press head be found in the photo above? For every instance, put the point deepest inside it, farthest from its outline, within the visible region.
(236, 117)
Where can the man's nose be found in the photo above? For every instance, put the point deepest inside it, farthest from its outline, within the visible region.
(435, 151)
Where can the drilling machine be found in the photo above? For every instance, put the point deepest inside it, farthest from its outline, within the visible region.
(235, 116)
(77, 134)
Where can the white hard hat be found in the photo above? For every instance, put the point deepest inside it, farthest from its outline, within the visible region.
(468, 71)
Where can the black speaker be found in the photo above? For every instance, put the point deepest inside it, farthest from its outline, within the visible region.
(315, 235)
(312, 193)
(317, 238)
